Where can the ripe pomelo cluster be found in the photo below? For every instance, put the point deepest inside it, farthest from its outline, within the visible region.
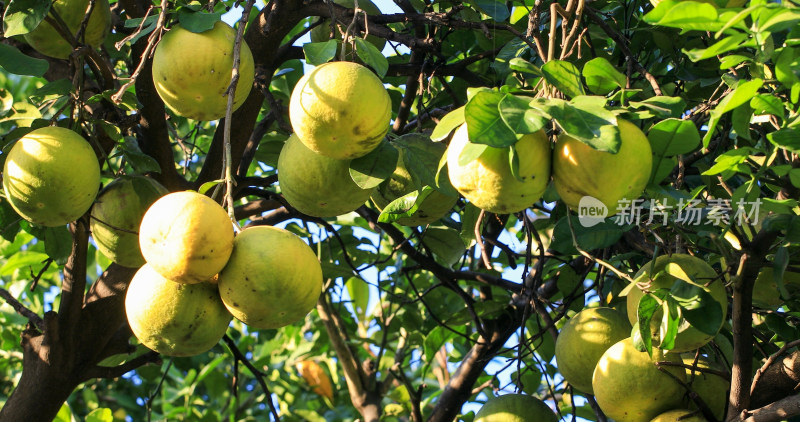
(51, 176)
(701, 274)
(515, 408)
(192, 71)
(49, 41)
(117, 214)
(198, 276)
(580, 170)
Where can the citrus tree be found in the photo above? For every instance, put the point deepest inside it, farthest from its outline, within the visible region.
(340, 210)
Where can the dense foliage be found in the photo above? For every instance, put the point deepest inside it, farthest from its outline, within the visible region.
(414, 322)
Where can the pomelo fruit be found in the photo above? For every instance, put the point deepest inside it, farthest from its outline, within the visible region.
(340, 110)
(487, 181)
(117, 214)
(515, 408)
(629, 387)
(174, 319)
(51, 176)
(317, 185)
(712, 388)
(580, 170)
(272, 279)
(688, 337)
(192, 71)
(583, 340)
(315, 376)
(186, 237)
(322, 32)
(679, 415)
(48, 41)
(402, 182)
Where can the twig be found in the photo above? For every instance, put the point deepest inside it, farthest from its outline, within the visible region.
(239, 356)
(769, 362)
(487, 262)
(151, 42)
(34, 318)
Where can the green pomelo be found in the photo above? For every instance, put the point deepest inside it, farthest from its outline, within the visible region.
(117, 214)
(487, 181)
(584, 339)
(317, 185)
(192, 71)
(712, 388)
(340, 110)
(679, 415)
(272, 279)
(51, 176)
(48, 41)
(402, 182)
(515, 408)
(688, 337)
(629, 387)
(322, 32)
(765, 290)
(172, 318)
(580, 170)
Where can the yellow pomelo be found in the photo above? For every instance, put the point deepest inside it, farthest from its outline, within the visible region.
(317, 185)
(186, 237)
(515, 408)
(712, 388)
(272, 279)
(174, 319)
(51, 176)
(117, 214)
(580, 170)
(487, 181)
(629, 387)
(192, 71)
(679, 415)
(340, 110)
(765, 290)
(402, 182)
(322, 32)
(583, 339)
(46, 40)
(688, 337)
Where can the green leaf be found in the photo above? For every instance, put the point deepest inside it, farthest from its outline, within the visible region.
(598, 236)
(404, 206)
(722, 46)
(421, 157)
(739, 96)
(445, 243)
(670, 322)
(358, 290)
(782, 19)
(471, 152)
(787, 66)
(58, 243)
(23, 16)
(586, 120)
(698, 307)
(372, 57)
(485, 125)
(102, 414)
(317, 53)
(729, 161)
(13, 61)
(197, 22)
(448, 124)
(22, 259)
(686, 15)
(602, 77)
(9, 221)
(372, 169)
(519, 116)
(662, 106)
(434, 341)
(140, 161)
(51, 91)
(788, 139)
(498, 11)
(767, 104)
(672, 137)
(648, 305)
(524, 66)
(205, 187)
(564, 76)
(64, 414)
